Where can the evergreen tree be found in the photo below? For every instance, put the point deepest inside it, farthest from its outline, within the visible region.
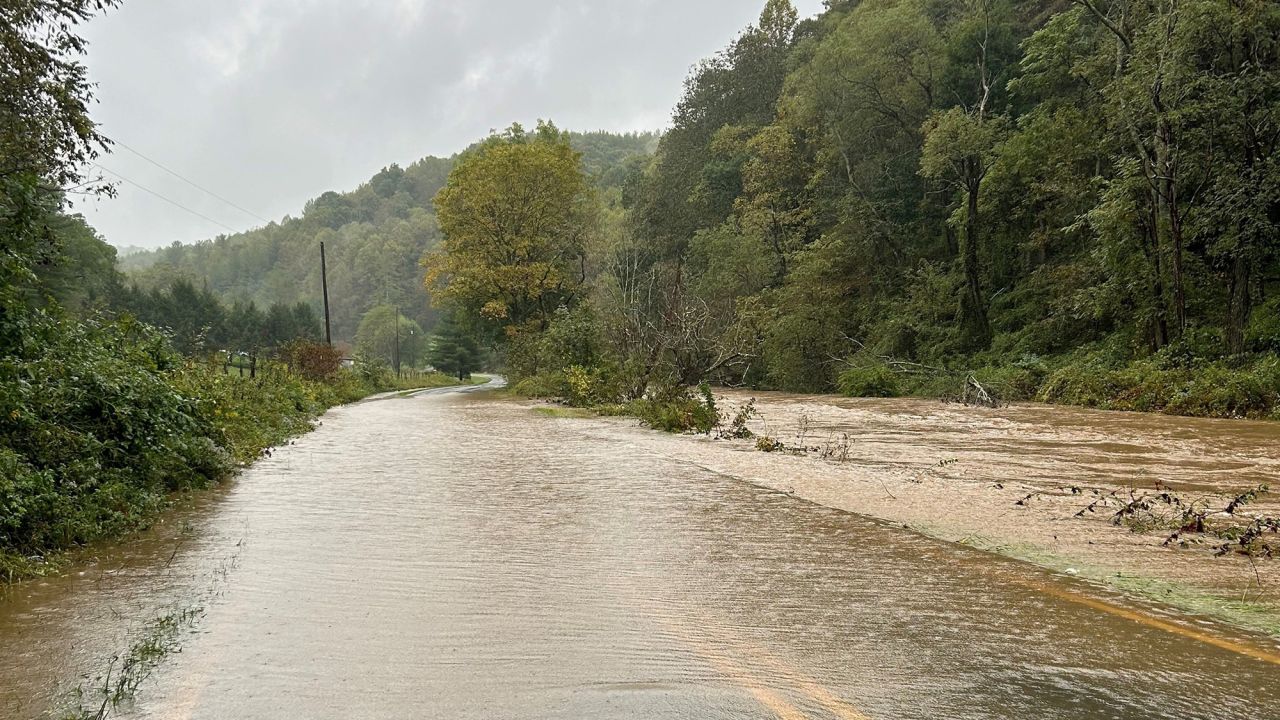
(453, 350)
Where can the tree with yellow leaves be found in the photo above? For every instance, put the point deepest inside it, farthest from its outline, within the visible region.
(515, 215)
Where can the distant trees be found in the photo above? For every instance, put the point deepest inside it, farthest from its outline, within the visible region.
(381, 329)
(375, 235)
(198, 322)
(909, 185)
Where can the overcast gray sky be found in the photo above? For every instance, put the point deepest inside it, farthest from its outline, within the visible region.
(268, 103)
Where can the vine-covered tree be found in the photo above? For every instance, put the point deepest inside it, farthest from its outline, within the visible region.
(47, 138)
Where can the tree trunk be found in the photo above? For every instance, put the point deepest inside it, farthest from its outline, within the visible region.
(975, 326)
(1168, 185)
(1241, 304)
(1179, 286)
(1151, 248)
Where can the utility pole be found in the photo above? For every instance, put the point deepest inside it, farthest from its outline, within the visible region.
(395, 352)
(324, 285)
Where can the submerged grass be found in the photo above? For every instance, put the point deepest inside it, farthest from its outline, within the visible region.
(565, 412)
(114, 687)
(1237, 611)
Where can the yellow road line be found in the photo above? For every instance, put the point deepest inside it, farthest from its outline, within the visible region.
(809, 687)
(763, 695)
(783, 709)
(1153, 622)
(836, 705)
(803, 684)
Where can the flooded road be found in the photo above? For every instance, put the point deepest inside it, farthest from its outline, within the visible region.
(453, 555)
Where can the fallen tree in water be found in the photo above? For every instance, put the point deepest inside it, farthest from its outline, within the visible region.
(975, 394)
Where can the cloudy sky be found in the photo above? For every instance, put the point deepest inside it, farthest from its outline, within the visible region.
(268, 103)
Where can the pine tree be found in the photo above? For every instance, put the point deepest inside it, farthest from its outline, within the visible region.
(454, 350)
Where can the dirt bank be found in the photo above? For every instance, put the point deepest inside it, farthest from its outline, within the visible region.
(1015, 481)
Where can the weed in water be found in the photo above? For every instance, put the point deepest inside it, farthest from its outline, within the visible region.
(837, 449)
(100, 697)
(737, 428)
(805, 427)
(764, 443)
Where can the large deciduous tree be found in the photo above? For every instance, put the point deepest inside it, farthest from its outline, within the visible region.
(516, 216)
(387, 336)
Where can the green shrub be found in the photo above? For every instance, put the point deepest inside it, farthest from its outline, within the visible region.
(93, 434)
(1165, 384)
(676, 410)
(545, 386)
(1263, 332)
(1085, 384)
(101, 420)
(1217, 391)
(869, 381)
(1020, 380)
(596, 385)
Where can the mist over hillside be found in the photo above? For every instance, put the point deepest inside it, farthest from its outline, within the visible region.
(375, 237)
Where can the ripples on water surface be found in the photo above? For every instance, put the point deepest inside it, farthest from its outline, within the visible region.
(454, 556)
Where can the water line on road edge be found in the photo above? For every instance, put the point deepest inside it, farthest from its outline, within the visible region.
(1133, 615)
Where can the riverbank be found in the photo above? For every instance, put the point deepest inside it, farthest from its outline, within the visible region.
(1166, 383)
(1088, 493)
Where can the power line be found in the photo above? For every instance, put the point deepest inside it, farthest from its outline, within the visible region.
(201, 188)
(174, 203)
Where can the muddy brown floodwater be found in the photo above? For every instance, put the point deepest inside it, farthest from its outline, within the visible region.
(456, 555)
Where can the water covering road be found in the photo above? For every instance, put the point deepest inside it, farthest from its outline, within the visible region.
(453, 555)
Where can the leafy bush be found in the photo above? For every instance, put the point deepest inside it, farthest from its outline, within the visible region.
(676, 410)
(315, 361)
(767, 444)
(1218, 391)
(545, 386)
(1263, 333)
(93, 434)
(1020, 380)
(1161, 385)
(869, 381)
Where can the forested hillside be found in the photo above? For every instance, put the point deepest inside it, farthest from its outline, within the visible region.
(374, 236)
(1071, 200)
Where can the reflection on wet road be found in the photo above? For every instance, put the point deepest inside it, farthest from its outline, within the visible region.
(456, 556)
